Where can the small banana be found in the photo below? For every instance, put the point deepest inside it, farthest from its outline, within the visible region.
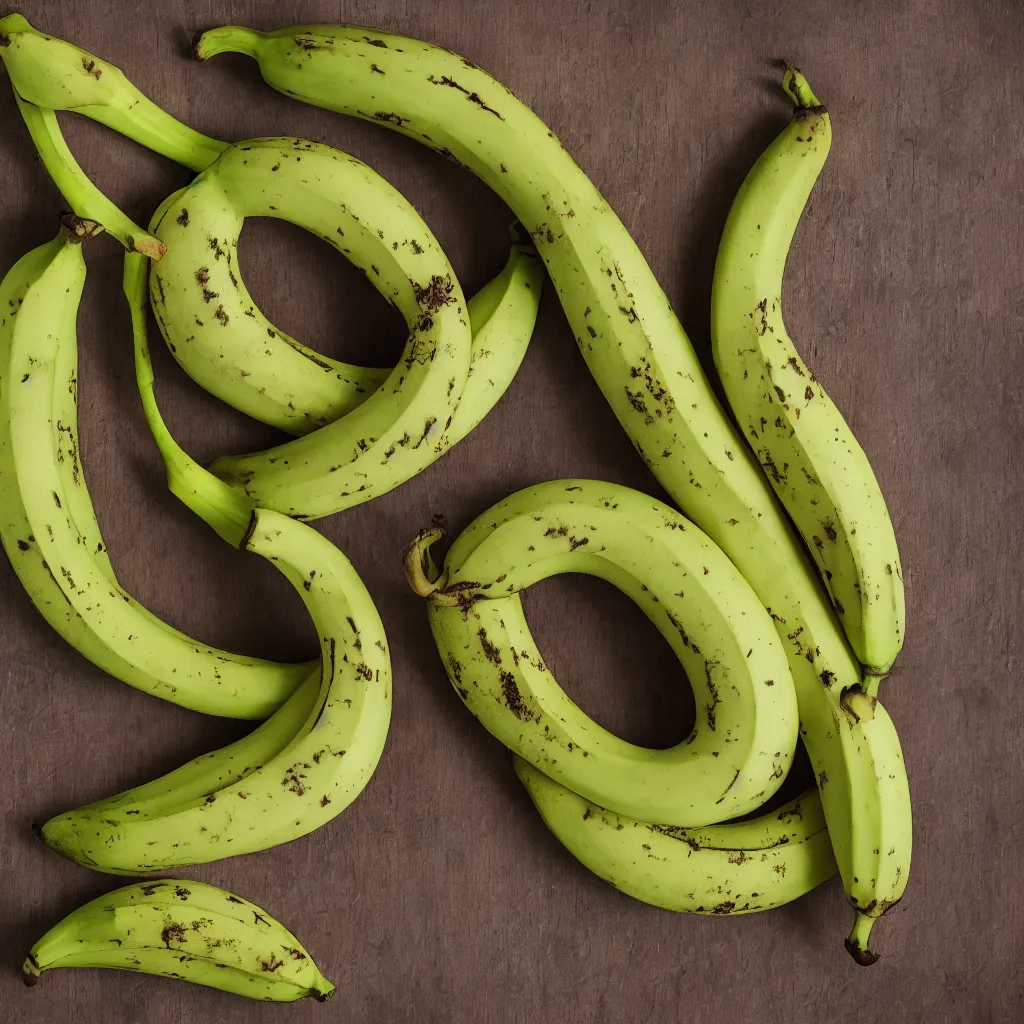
(633, 345)
(183, 929)
(315, 755)
(48, 525)
(58, 75)
(735, 868)
(808, 452)
(742, 743)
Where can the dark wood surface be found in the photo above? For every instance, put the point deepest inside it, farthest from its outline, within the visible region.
(439, 895)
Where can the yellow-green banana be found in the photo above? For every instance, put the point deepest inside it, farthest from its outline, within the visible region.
(48, 525)
(58, 75)
(742, 743)
(804, 445)
(183, 929)
(734, 868)
(316, 756)
(632, 343)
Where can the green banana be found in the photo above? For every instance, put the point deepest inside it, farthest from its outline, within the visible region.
(58, 75)
(808, 452)
(633, 344)
(183, 929)
(735, 868)
(222, 339)
(48, 525)
(311, 759)
(742, 744)
(85, 199)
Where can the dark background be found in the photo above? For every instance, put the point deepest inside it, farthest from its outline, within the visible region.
(439, 896)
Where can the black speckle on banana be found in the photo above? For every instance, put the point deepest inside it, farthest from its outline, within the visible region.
(733, 868)
(746, 729)
(303, 766)
(48, 525)
(183, 929)
(800, 438)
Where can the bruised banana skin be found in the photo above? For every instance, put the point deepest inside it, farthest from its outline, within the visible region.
(734, 868)
(806, 448)
(57, 75)
(635, 348)
(48, 525)
(183, 929)
(745, 734)
(311, 759)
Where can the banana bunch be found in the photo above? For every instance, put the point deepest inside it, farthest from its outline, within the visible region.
(188, 930)
(783, 637)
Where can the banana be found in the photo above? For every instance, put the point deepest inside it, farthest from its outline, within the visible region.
(808, 452)
(315, 756)
(746, 730)
(217, 332)
(221, 337)
(631, 340)
(57, 75)
(85, 199)
(48, 525)
(736, 868)
(183, 929)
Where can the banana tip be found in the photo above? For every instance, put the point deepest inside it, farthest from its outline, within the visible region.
(37, 831)
(864, 957)
(30, 971)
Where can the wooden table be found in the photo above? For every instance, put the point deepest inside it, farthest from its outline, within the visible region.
(439, 896)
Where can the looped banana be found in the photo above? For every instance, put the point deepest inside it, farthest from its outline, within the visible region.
(218, 333)
(746, 730)
(372, 428)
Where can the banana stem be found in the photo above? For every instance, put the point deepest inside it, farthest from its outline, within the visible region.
(228, 39)
(871, 684)
(796, 88)
(420, 568)
(223, 508)
(84, 198)
(857, 943)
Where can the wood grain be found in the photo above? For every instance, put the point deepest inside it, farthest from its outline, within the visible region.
(439, 896)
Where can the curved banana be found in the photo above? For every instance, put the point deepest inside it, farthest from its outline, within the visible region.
(48, 525)
(214, 328)
(58, 75)
(221, 337)
(85, 199)
(312, 765)
(808, 452)
(736, 868)
(742, 744)
(630, 338)
(183, 929)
